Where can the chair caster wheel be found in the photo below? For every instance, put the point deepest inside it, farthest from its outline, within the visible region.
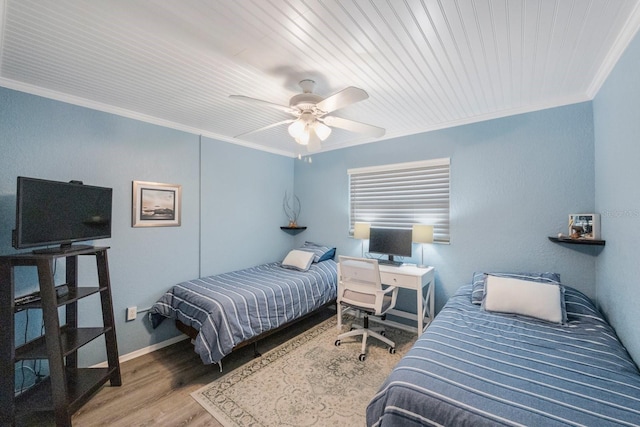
(383, 333)
(392, 350)
(362, 357)
(337, 343)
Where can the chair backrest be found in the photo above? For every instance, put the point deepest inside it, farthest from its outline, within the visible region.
(361, 287)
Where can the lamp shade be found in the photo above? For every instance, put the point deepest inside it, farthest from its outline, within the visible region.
(422, 233)
(303, 139)
(323, 131)
(296, 128)
(361, 230)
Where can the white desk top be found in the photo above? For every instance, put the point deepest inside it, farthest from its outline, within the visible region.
(410, 269)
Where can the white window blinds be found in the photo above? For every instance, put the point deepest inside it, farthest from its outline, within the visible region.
(400, 195)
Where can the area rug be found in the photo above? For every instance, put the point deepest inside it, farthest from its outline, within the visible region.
(307, 381)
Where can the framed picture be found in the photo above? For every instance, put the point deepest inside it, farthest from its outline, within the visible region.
(584, 226)
(156, 204)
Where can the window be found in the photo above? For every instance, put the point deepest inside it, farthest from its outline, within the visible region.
(400, 195)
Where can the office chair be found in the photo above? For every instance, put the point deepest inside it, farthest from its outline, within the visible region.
(361, 289)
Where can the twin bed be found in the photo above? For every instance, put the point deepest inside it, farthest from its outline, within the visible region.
(225, 311)
(475, 367)
(477, 364)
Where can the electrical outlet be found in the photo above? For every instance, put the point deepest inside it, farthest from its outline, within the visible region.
(131, 313)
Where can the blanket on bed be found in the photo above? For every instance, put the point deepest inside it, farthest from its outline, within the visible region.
(472, 367)
(231, 308)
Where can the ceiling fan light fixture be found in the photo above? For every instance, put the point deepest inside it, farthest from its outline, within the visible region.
(314, 143)
(296, 129)
(303, 139)
(311, 124)
(323, 131)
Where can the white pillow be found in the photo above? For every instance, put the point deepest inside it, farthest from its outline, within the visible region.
(298, 260)
(533, 299)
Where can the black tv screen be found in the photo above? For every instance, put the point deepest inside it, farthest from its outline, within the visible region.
(390, 241)
(60, 213)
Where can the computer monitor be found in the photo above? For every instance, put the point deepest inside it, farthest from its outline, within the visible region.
(391, 242)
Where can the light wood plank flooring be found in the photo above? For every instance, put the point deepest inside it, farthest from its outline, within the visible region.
(156, 387)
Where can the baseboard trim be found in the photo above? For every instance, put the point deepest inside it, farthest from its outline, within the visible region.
(145, 350)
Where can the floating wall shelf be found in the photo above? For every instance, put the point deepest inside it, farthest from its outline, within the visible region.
(571, 241)
(293, 230)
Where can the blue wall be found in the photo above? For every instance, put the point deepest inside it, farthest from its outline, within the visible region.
(240, 191)
(617, 152)
(513, 183)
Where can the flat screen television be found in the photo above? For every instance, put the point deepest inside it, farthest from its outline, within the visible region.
(391, 242)
(60, 213)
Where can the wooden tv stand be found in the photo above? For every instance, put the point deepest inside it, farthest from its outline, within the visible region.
(67, 387)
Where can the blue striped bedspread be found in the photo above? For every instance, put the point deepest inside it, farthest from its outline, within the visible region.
(230, 308)
(475, 368)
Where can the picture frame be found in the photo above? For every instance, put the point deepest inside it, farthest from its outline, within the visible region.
(156, 204)
(584, 226)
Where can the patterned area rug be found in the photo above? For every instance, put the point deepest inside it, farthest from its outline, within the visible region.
(307, 381)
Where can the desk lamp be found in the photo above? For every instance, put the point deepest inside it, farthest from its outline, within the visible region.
(422, 234)
(361, 231)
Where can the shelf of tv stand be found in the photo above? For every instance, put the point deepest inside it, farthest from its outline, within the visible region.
(82, 383)
(72, 296)
(71, 340)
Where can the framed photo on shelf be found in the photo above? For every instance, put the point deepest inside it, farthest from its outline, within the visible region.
(584, 226)
(156, 204)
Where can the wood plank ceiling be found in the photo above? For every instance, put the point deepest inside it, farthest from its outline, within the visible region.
(426, 64)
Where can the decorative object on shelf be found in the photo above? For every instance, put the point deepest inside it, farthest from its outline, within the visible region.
(156, 205)
(361, 231)
(584, 226)
(292, 209)
(422, 233)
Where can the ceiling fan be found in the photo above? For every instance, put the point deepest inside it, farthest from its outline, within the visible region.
(312, 124)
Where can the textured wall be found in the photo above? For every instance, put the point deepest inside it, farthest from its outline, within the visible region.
(617, 152)
(240, 196)
(242, 193)
(513, 183)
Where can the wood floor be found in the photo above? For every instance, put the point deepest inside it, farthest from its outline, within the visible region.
(156, 387)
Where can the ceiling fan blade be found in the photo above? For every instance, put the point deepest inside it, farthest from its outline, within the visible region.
(342, 99)
(284, 108)
(354, 126)
(265, 128)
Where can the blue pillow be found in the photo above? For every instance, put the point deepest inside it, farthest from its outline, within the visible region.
(580, 307)
(321, 253)
(479, 278)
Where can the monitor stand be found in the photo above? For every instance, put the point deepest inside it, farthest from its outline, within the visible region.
(390, 261)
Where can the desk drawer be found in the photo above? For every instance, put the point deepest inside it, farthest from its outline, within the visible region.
(401, 280)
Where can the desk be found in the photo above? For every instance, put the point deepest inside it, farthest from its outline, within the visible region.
(407, 277)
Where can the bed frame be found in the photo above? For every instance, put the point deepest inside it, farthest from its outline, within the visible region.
(192, 333)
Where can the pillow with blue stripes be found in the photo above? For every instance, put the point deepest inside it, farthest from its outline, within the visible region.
(580, 307)
(320, 252)
(480, 278)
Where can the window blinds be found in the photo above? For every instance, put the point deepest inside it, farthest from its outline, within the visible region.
(400, 195)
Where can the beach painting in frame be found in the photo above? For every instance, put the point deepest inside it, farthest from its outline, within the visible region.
(156, 204)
